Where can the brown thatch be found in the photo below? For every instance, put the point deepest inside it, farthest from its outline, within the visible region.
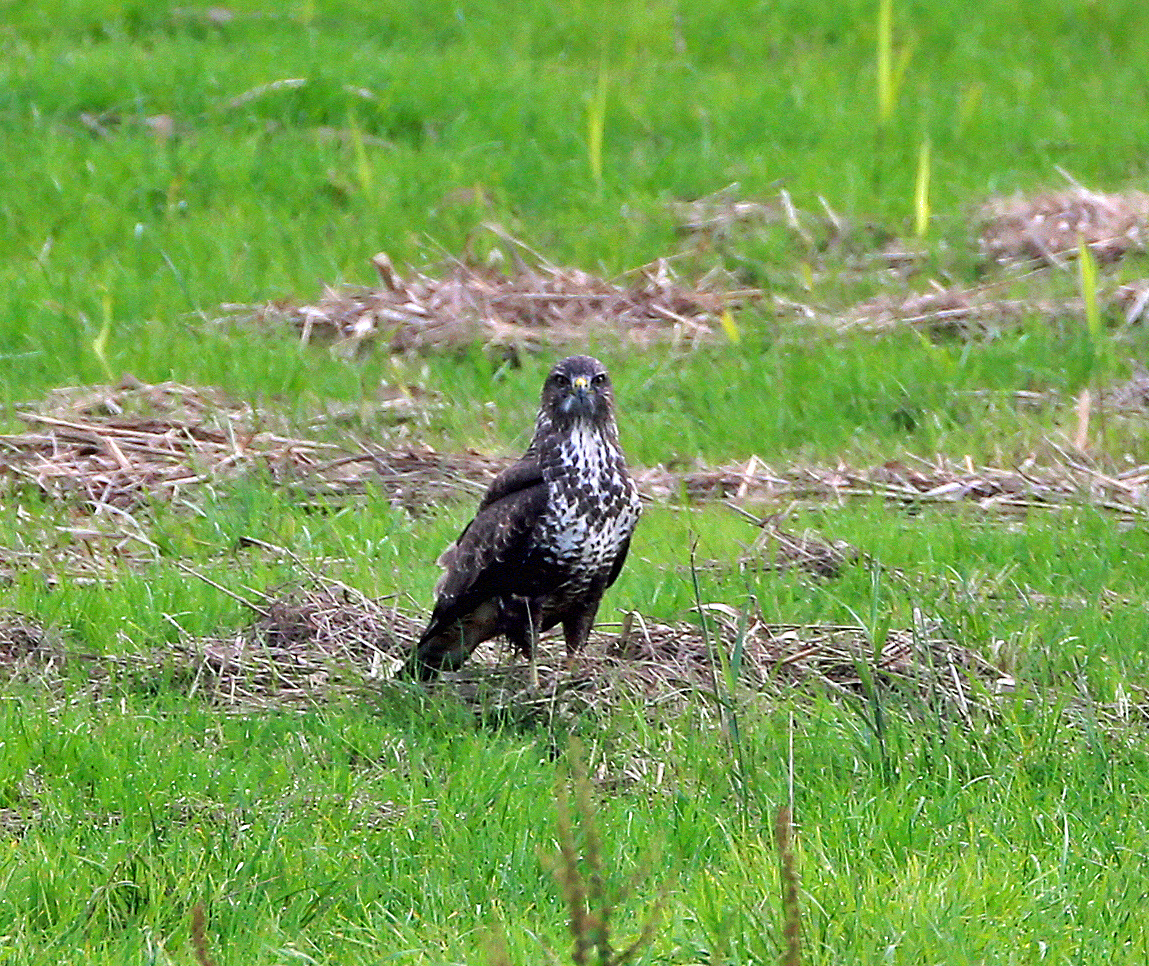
(736, 651)
(1049, 227)
(781, 549)
(311, 644)
(941, 481)
(306, 645)
(24, 643)
(719, 212)
(1132, 395)
(976, 312)
(115, 448)
(323, 642)
(458, 304)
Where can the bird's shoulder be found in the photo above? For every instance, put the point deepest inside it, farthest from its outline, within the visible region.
(524, 474)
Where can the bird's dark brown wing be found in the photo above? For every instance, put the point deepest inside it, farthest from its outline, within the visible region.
(488, 557)
(523, 474)
(619, 560)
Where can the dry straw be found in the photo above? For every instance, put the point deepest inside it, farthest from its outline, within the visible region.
(307, 645)
(113, 449)
(535, 304)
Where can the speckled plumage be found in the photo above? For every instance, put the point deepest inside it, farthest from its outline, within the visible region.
(550, 535)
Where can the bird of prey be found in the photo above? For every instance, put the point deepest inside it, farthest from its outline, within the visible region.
(550, 535)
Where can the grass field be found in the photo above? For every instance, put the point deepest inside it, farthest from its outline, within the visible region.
(164, 162)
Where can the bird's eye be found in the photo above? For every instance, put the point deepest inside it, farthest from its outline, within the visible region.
(599, 379)
(561, 380)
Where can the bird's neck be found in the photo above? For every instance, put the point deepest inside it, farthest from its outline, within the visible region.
(588, 432)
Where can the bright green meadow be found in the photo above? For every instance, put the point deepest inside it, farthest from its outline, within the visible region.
(159, 163)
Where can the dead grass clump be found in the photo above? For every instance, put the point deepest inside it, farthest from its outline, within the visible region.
(458, 304)
(25, 644)
(119, 447)
(781, 549)
(1132, 395)
(778, 549)
(323, 642)
(953, 311)
(1048, 227)
(307, 644)
(943, 481)
(779, 659)
(669, 665)
(414, 478)
(113, 449)
(310, 645)
(719, 212)
(977, 312)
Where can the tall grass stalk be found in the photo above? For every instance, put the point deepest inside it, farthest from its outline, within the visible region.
(887, 93)
(1087, 277)
(788, 876)
(877, 630)
(890, 75)
(588, 904)
(723, 680)
(889, 82)
(199, 936)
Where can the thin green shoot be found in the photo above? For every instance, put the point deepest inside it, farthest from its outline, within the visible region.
(363, 170)
(730, 326)
(922, 191)
(722, 681)
(100, 342)
(890, 76)
(596, 124)
(970, 101)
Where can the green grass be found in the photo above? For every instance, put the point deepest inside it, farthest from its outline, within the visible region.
(395, 828)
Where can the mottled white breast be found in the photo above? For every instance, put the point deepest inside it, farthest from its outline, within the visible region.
(594, 504)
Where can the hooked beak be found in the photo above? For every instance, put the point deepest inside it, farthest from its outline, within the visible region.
(580, 401)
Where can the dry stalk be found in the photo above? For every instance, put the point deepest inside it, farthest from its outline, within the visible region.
(588, 904)
(199, 936)
(791, 913)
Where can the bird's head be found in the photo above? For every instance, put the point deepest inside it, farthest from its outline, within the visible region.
(578, 388)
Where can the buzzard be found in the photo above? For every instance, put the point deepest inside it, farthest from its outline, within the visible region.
(550, 535)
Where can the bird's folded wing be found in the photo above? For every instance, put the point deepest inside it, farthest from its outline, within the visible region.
(487, 559)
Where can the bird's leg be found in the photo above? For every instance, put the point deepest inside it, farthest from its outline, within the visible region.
(532, 651)
(522, 635)
(576, 630)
